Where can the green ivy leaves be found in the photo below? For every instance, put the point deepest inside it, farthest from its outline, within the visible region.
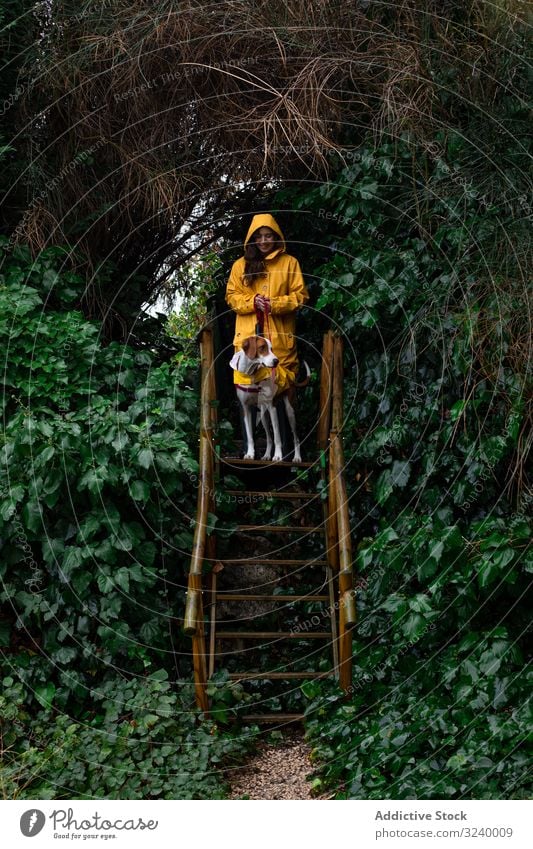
(95, 443)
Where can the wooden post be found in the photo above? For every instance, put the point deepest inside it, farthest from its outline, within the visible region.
(337, 414)
(346, 598)
(342, 521)
(324, 421)
(326, 379)
(194, 611)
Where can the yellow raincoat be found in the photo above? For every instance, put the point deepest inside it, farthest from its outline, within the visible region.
(283, 283)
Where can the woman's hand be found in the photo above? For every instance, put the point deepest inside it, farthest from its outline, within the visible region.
(262, 304)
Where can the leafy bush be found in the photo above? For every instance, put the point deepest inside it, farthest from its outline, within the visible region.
(437, 422)
(97, 493)
(446, 727)
(98, 486)
(439, 702)
(140, 740)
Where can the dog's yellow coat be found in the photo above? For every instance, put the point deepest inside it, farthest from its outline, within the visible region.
(283, 377)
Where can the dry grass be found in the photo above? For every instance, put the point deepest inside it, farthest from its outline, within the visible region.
(194, 109)
(184, 105)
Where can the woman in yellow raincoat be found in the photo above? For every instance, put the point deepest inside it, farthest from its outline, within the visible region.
(267, 283)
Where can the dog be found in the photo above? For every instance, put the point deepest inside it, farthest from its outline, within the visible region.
(257, 354)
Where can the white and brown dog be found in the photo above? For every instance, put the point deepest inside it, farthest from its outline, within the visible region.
(257, 354)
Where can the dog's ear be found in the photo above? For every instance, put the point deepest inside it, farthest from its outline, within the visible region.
(262, 347)
(249, 346)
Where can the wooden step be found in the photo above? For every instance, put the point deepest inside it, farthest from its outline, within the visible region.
(279, 529)
(256, 561)
(278, 676)
(273, 635)
(288, 464)
(281, 718)
(222, 596)
(299, 494)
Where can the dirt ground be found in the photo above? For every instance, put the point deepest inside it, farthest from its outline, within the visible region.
(276, 771)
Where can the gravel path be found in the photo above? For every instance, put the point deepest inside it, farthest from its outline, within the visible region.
(277, 771)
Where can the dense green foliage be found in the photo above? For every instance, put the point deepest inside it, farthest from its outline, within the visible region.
(435, 417)
(416, 248)
(97, 499)
(140, 740)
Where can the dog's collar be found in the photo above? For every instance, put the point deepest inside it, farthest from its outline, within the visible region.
(241, 378)
(249, 388)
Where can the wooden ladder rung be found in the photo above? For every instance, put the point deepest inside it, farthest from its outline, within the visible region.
(278, 676)
(282, 718)
(267, 635)
(289, 464)
(256, 561)
(280, 529)
(222, 596)
(307, 496)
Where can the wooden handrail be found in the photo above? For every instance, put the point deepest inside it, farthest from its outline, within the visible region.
(326, 384)
(339, 502)
(329, 510)
(193, 623)
(337, 396)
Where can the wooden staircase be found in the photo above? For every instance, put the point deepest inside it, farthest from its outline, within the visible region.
(309, 597)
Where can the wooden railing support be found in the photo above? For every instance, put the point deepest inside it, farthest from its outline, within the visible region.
(193, 623)
(339, 498)
(326, 384)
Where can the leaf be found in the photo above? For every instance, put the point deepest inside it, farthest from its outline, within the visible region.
(31, 513)
(145, 458)
(500, 692)
(436, 551)
(149, 630)
(122, 539)
(140, 491)
(399, 740)
(45, 429)
(384, 487)
(105, 583)
(483, 763)
(120, 441)
(146, 553)
(16, 493)
(122, 579)
(400, 472)
(420, 603)
(7, 509)
(72, 560)
(89, 527)
(5, 639)
(457, 409)
(45, 693)
(394, 603)
(413, 626)
(368, 190)
(426, 569)
(160, 675)
(492, 565)
(94, 479)
(45, 456)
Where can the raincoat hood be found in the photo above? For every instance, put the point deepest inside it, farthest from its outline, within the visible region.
(265, 220)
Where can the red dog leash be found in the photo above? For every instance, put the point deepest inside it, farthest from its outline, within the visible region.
(261, 322)
(268, 336)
